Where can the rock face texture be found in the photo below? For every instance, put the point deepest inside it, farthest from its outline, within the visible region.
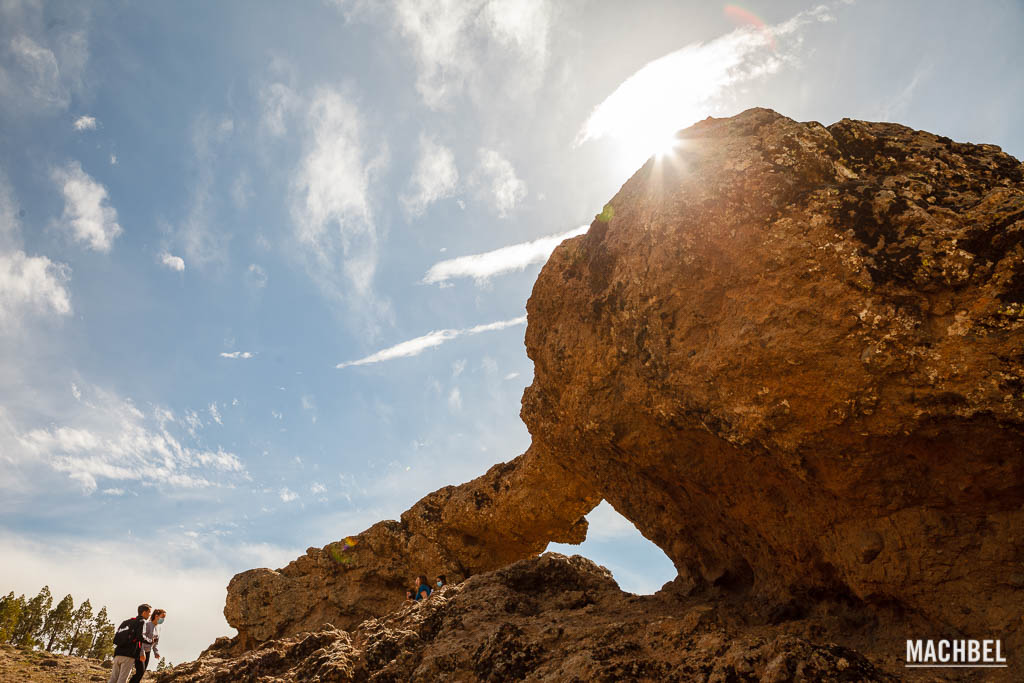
(511, 512)
(548, 618)
(792, 355)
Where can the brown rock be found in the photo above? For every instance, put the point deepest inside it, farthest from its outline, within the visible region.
(509, 513)
(792, 357)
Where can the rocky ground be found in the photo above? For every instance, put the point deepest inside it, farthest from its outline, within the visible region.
(19, 666)
(563, 618)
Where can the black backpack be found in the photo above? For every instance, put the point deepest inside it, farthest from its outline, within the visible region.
(123, 635)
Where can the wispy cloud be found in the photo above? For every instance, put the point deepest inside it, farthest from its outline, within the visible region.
(414, 347)
(110, 439)
(456, 44)
(256, 276)
(434, 179)
(243, 355)
(200, 238)
(675, 91)
(85, 123)
(287, 495)
(330, 202)
(86, 212)
(504, 260)
(173, 262)
(500, 180)
(215, 413)
(455, 400)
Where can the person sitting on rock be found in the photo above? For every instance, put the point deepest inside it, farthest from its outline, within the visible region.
(423, 590)
(410, 595)
(442, 581)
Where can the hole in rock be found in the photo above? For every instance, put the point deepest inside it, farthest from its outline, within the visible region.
(638, 565)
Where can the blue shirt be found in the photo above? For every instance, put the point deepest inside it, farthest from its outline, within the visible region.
(419, 591)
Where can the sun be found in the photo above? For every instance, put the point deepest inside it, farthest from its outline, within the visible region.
(665, 147)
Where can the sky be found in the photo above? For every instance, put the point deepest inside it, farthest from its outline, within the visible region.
(264, 267)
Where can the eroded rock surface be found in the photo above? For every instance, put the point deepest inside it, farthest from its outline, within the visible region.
(791, 355)
(510, 513)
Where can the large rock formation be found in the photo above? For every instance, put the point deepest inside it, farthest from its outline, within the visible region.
(791, 355)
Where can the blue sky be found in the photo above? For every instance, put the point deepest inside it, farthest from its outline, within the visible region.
(263, 269)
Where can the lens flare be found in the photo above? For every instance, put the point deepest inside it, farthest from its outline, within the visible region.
(744, 17)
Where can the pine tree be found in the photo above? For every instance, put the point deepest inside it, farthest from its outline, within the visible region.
(32, 619)
(10, 613)
(102, 636)
(80, 630)
(58, 621)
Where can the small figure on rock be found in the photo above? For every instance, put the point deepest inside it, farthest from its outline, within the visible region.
(442, 581)
(423, 591)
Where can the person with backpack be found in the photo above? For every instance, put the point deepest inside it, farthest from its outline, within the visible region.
(128, 640)
(151, 636)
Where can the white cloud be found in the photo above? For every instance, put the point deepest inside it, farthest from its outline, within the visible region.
(76, 392)
(35, 78)
(279, 103)
(173, 262)
(28, 284)
(85, 123)
(113, 160)
(330, 202)
(256, 276)
(499, 261)
(511, 375)
(276, 415)
(682, 87)
(111, 440)
(215, 413)
(434, 179)
(245, 355)
(317, 488)
(113, 492)
(33, 284)
(86, 212)
(458, 367)
(241, 190)
(455, 400)
(459, 44)
(414, 347)
(499, 178)
(287, 495)
(192, 422)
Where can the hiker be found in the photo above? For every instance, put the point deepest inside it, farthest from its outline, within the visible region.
(442, 581)
(151, 637)
(128, 640)
(423, 591)
(410, 595)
